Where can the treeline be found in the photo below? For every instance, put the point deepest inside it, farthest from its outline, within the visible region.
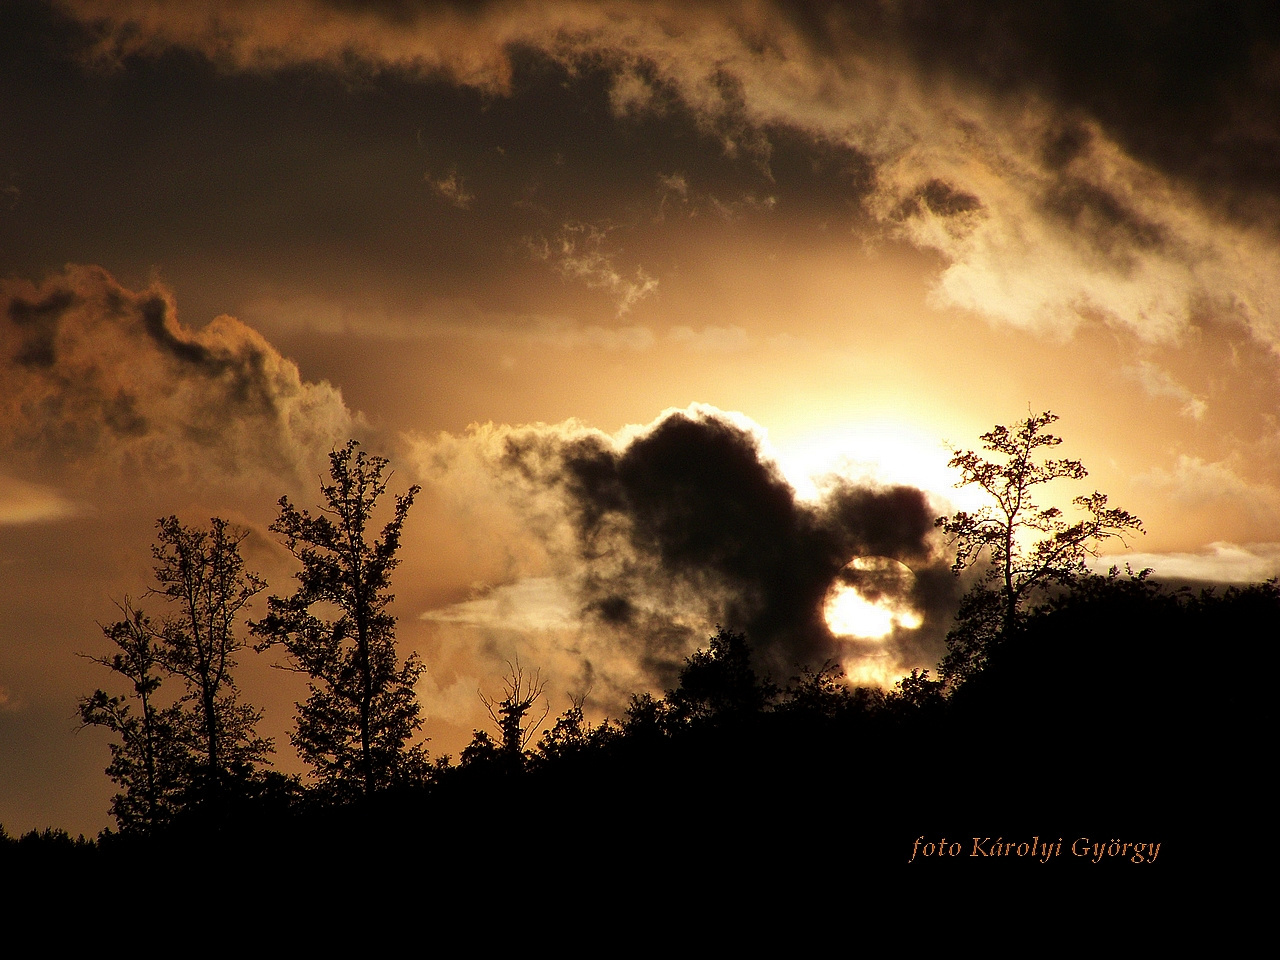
(1093, 717)
(1067, 704)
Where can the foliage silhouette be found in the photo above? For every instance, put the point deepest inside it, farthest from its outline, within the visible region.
(815, 693)
(150, 759)
(647, 719)
(202, 573)
(172, 754)
(999, 531)
(1085, 717)
(357, 726)
(1104, 681)
(1082, 722)
(572, 736)
(719, 685)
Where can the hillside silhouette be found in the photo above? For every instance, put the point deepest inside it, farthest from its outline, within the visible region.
(727, 777)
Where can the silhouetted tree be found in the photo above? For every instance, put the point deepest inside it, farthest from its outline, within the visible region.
(821, 694)
(647, 719)
(174, 752)
(914, 694)
(357, 726)
(978, 625)
(572, 735)
(201, 572)
(150, 760)
(520, 694)
(719, 683)
(1027, 547)
(482, 750)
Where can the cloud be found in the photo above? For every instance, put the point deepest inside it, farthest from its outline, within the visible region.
(674, 191)
(451, 189)
(453, 319)
(22, 502)
(96, 375)
(631, 93)
(1158, 382)
(732, 209)
(652, 536)
(578, 252)
(1195, 484)
(533, 603)
(442, 319)
(1219, 562)
(1114, 165)
(711, 339)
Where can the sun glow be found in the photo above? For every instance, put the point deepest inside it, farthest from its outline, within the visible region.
(868, 600)
(873, 670)
(849, 614)
(878, 451)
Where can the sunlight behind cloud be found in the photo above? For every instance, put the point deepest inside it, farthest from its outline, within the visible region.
(873, 670)
(867, 600)
(881, 451)
(848, 613)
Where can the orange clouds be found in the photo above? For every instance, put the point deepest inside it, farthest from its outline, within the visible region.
(95, 373)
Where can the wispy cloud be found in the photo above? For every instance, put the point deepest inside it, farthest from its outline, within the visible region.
(22, 502)
(579, 252)
(445, 319)
(1219, 562)
(1158, 382)
(675, 192)
(711, 339)
(451, 189)
(531, 603)
(1194, 483)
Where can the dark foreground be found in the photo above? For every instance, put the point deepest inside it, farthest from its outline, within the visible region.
(1109, 754)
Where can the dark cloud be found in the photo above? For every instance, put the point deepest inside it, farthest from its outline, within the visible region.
(1131, 146)
(690, 524)
(1188, 86)
(1101, 215)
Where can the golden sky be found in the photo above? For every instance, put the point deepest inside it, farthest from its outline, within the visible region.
(618, 283)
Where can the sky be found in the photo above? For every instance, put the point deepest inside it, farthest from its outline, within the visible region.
(675, 311)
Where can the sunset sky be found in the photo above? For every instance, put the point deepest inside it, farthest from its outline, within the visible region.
(672, 309)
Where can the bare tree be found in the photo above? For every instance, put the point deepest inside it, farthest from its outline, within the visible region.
(520, 694)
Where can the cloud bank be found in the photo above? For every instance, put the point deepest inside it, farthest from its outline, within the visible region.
(990, 132)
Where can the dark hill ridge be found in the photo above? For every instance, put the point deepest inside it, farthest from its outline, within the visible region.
(1097, 724)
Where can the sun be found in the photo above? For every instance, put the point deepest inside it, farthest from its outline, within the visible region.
(870, 598)
(849, 614)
